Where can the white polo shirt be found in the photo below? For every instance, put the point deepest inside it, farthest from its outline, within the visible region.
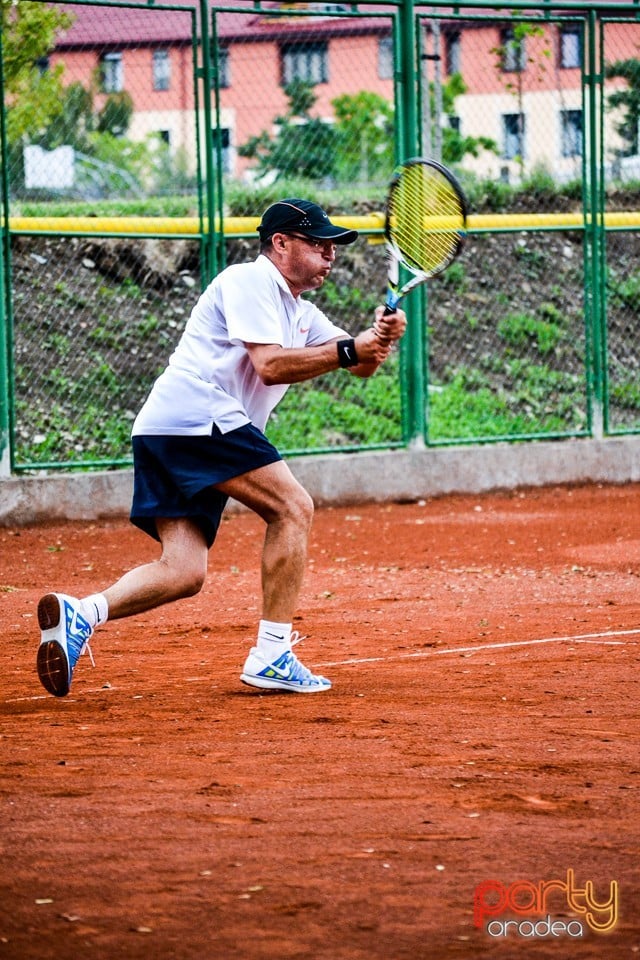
(210, 378)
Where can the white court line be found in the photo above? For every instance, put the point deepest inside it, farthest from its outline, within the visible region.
(595, 638)
(598, 638)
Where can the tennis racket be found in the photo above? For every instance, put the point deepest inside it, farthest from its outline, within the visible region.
(426, 217)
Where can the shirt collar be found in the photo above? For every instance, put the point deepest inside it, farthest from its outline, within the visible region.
(275, 273)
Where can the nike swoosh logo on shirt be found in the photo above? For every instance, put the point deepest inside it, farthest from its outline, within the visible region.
(276, 636)
(305, 329)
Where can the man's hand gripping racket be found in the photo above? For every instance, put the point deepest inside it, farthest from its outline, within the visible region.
(425, 226)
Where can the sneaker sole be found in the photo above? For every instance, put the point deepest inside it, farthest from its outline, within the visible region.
(51, 662)
(264, 683)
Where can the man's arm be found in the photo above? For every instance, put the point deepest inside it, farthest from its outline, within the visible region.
(275, 364)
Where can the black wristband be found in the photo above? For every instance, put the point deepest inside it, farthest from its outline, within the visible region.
(347, 356)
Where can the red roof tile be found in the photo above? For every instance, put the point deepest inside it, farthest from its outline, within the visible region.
(107, 26)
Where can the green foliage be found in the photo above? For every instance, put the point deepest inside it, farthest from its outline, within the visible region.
(172, 175)
(551, 313)
(626, 100)
(540, 185)
(540, 401)
(33, 98)
(304, 145)
(347, 301)
(520, 329)
(104, 155)
(533, 258)
(248, 200)
(115, 116)
(364, 123)
(626, 394)
(180, 206)
(466, 408)
(75, 121)
(455, 146)
(454, 277)
(339, 410)
(492, 195)
(90, 434)
(626, 292)
(359, 147)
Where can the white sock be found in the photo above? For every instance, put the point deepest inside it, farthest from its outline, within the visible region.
(95, 609)
(273, 639)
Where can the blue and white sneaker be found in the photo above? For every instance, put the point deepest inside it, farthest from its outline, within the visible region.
(65, 636)
(285, 673)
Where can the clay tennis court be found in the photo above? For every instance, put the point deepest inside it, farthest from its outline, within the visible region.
(483, 725)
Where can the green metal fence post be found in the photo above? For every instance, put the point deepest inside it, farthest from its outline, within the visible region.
(594, 232)
(407, 131)
(602, 319)
(5, 434)
(5, 338)
(214, 200)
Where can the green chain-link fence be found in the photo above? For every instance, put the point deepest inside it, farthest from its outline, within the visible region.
(141, 141)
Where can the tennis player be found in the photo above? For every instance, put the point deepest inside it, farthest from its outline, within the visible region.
(199, 440)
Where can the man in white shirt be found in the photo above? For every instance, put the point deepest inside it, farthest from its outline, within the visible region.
(199, 440)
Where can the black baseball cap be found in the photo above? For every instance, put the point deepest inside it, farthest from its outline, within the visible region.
(302, 216)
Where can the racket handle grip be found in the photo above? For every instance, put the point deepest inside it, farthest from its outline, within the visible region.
(391, 303)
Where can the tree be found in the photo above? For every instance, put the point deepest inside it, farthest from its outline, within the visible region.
(455, 146)
(304, 146)
(33, 95)
(512, 61)
(115, 116)
(628, 101)
(364, 125)
(75, 121)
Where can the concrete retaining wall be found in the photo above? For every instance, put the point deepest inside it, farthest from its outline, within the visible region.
(351, 478)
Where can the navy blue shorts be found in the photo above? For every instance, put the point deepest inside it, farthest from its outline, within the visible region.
(176, 476)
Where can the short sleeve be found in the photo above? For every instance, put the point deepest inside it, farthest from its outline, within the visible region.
(319, 328)
(251, 307)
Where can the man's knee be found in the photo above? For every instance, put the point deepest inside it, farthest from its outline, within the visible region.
(192, 582)
(299, 508)
(186, 575)
(184, 557)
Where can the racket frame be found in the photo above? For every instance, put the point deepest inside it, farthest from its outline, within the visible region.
(395, 256)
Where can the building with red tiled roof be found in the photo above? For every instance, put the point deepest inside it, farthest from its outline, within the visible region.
(533, 110)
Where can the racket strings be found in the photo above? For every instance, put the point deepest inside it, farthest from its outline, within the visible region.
(426, 218)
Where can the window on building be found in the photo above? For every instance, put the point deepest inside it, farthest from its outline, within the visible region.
(43, 65)
(224, 69)
(452, 59)
(453, 122)
(112, 72)
(385, 58)
(164, 136)
(571, 133)
(513, 129)
(514, 54)
(305, 61)
(222, 138)
(161, 70)
(570, 45)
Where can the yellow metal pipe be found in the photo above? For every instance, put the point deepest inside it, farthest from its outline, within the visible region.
(370, 223)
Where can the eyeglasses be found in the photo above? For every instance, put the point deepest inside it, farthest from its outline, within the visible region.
(323, 245)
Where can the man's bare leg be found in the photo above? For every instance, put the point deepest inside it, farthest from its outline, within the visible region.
(286, 507)
(274, 494)
(179, 572)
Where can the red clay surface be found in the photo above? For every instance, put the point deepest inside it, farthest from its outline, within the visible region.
(165, 810)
